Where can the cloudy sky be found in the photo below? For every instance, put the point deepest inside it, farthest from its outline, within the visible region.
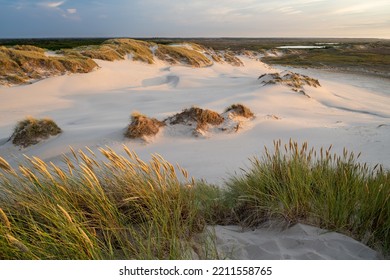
(195, 18)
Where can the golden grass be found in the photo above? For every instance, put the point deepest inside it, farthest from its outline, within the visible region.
(30, 131)
(139, 49)
(182, 55)
(232, 59)
(118, 208)
(142, 126)
(104, 52)
(21, 64)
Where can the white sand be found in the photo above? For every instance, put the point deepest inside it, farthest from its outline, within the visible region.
(93, 110)
(299, 242)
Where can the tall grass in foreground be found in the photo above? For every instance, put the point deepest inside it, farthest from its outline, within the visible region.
(122, 208)
(322, 189)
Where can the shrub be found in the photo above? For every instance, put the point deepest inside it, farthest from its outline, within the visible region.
(30, 131)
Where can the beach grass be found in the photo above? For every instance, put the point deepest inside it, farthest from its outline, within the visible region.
(142, 126)
(21, 64)
(30, 131)
(120, 207)
(181, 54)
(320, 188)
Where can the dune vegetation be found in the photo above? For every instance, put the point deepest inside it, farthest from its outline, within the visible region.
(142, 126)
(30, 131)
(202, 118)
(22, 64)
(183, 55)
(295, 81)
(124, 208)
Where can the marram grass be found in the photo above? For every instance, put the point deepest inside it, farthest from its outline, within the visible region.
(120, 208)
(334, 192)
(124, 208)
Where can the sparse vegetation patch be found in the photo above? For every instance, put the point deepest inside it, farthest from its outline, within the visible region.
(30, 131)
(294, 81)
(197, 117)
(142, 126)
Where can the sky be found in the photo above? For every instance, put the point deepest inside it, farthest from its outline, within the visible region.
(195, 18)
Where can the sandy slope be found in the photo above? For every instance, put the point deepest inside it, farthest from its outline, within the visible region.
(299, 242)
(93, 110)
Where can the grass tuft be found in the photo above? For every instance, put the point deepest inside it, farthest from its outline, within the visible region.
(30, 131)
(142, 126)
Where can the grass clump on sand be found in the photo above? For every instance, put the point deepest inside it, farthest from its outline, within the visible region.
(182, 55)
(30, 131)
(142, 126)
(200, 117)
(122, 208)
(240, 110)
(317, 188)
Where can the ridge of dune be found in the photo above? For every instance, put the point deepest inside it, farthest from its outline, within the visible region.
(26, 64)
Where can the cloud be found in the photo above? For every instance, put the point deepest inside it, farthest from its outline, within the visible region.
(51, 4)
(288, 11)
(71, 11)
(360, 8)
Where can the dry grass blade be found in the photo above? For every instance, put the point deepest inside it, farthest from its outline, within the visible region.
(4, 219)
(18, 244)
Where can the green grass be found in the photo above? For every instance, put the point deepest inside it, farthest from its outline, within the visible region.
(370, 59)
(123, 208)
(317, 188)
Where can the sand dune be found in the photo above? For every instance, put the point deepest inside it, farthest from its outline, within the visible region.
(93, 110)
